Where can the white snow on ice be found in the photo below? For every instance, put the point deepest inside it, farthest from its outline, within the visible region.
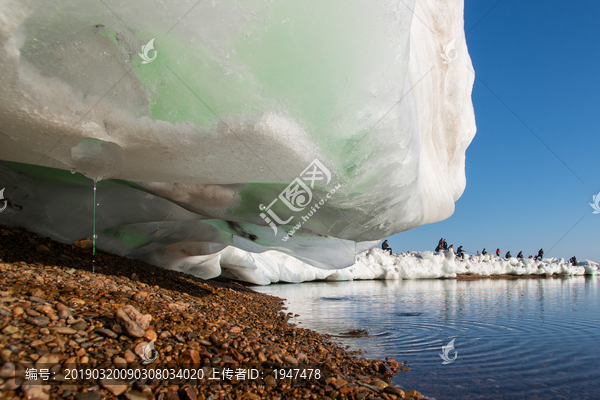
(272, 266)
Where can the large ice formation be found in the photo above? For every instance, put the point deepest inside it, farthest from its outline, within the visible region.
(274, 266)
(192, 115)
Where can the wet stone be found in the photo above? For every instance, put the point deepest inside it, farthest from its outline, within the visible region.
(9, 330)
(65, 313)
(106, 332)
(414, 393)
(115, 386)
(43, 249)
(150, 335)
(172, 395)
(395, 391)
(269, 380)
(11, 384)
(290, 360)
(7, 370)
(45, 308)
(17, 311)
(63, 330)
(135, 395)
(88, 396)
(46, 360)
(120, 294)
(34, 390)
(130, 356)
(134, 323)
(79, 326)
(188, 393)
(379, 384)
(38, 321)
(120, 362)
(32, 313)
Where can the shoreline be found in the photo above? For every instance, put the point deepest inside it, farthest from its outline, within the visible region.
(57, 316)
(475, 277)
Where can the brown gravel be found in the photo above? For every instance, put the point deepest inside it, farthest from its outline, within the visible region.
(56, 314)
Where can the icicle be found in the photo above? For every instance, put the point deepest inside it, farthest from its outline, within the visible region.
(94, 233)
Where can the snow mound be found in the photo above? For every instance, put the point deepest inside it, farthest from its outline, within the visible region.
(272, 266)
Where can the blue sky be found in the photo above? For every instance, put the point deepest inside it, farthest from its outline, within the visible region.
(538, 73)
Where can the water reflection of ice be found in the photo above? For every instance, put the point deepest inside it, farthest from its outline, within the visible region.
(514, 337)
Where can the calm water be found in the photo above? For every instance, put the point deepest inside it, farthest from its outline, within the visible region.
(527, 338)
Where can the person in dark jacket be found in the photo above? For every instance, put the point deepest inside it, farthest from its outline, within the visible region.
(540, 255)
(445, 245)
(573, 260)
(460, 253)
(484, 251)
(520, 255)
(507, 255)
(386, 247)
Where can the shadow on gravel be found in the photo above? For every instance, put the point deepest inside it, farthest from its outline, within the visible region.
(19, 245)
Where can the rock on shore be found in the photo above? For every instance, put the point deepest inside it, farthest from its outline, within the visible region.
(56, 314)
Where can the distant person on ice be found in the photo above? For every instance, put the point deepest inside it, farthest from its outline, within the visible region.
(451, 249)
(497, 252)
(540, 255)
(386, 247)
(442, 245)
(507, 255)
(460, 253)
(484, 252)
(520, 255)
(573, 260)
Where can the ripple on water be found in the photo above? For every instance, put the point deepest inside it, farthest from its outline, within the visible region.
(359, 333)
(512, 339)
(343, 298)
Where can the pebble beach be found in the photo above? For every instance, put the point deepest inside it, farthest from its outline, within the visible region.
(64, 310)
